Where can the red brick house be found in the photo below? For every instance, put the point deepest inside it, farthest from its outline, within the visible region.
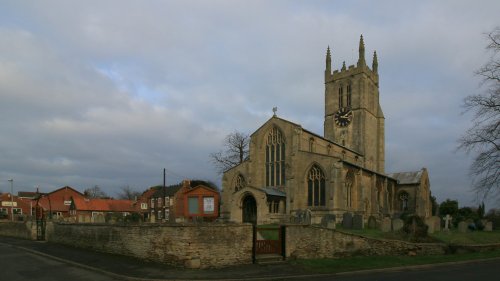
(142, 204)
(185, 202)
(21, 207)
(201, 202)
(56, 204)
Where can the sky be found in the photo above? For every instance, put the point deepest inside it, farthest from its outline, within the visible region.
(110, 93)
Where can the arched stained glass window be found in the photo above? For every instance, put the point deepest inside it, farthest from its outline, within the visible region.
(239, 183)
(275, 158)
(316, 187)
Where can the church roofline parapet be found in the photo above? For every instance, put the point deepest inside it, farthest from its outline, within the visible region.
(351, 71)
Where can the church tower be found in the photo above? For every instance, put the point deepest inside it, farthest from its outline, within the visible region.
(353, 116)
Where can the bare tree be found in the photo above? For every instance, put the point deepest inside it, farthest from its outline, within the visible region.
(483, 138)
(128, 193)
(235, 151)
(95, 192)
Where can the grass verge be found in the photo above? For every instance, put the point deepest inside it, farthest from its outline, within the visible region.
(363, 263)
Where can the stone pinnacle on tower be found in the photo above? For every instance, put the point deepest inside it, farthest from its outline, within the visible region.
(375, 62)
(361, 60)
(328, 61)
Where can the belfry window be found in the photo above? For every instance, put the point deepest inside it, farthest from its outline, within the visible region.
(341, 96)
(349, 95)
(275, 158)
(316, 187)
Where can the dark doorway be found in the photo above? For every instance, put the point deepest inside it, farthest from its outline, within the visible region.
(249, 209)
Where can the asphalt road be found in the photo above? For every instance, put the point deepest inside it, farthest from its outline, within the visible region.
(17, 264)
(474, 271)
(30, 260)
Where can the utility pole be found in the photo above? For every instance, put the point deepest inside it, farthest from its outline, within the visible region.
(11, 199)
(164, 193)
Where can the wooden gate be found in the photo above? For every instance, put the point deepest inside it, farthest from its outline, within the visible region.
(269, 240)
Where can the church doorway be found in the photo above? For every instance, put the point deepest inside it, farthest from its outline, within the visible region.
(249, 209)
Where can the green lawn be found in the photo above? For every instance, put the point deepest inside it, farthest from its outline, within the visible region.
(269, 231)
(452, 237)
(362, 263)
(468, 238)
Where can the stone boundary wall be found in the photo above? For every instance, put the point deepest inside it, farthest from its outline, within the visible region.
(24, 230)
(192, 246)
(306, 242)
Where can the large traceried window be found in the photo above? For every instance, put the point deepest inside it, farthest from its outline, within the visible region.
(316, 187)
(275, 158)
(349, 183)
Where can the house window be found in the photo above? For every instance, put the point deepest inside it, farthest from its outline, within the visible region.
(275, 158)
(144, 206)
(208, 205)
(167, 201)
(316, 187)
(349, 183)
(17, 211)
(152, 202)
(159, 215)
(159, 202)
(167, 214)
(193, 205)
(239, 183)
(403, 197)
(171, 201)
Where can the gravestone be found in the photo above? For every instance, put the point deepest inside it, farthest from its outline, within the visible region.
(447, 222)
(347, 220)
(488, 226)
(462, 227)
(358, 222)
(331, 225)
(326, 219)
(386, 225)
(397, 224)
(372, 222)
(437, 223)
(433, 224)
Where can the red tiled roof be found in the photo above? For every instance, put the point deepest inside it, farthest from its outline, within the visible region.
(103, 205)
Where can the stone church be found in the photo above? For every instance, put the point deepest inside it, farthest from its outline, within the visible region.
(291, 171)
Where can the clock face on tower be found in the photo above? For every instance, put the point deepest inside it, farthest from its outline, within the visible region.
(343, 117)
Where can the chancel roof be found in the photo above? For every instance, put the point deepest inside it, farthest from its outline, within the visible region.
(408, 177)
(274, 191)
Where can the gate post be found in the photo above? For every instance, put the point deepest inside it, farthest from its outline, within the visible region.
(283, 241)
(254, 241)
